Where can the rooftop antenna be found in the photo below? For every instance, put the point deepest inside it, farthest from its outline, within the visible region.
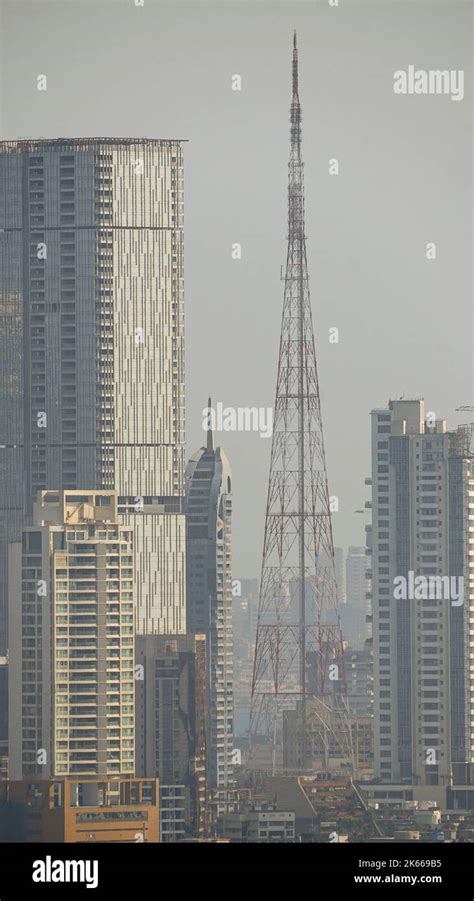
(210, 433)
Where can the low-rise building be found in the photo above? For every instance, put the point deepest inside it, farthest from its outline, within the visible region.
(86, 810)
(258, 823)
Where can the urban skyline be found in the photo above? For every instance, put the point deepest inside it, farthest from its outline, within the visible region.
(152, 676)
(401, 184)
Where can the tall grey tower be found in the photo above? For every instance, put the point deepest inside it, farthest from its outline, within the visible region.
(209, 590)
(422, 596)
(91, 322)
(299, 658)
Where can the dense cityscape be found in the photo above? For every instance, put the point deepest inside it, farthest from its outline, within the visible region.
(149, 691)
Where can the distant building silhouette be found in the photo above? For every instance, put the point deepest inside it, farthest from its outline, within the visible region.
(171, 728)
(357, 564)
(209, 592)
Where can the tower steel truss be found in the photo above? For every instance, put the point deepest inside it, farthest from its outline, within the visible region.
(299, 682)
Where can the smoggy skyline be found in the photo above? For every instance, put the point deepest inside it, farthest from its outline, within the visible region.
(405, 322)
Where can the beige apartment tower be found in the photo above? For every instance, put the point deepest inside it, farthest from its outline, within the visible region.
(71, 638)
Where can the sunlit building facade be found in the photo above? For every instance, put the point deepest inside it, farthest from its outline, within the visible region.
(71, 637)
(92, 344)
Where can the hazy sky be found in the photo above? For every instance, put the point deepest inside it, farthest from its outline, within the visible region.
(164, 70)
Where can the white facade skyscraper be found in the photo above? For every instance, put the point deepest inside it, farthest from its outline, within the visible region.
(91, 289)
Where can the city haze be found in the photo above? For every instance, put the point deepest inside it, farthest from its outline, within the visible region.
(405, 323)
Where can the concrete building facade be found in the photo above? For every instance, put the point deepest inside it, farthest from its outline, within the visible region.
(3, 718)
(172, 728)
(422, 542)
(209, 593)
(71, 638)
(258, 822)
(85, 811)
(357, 564)
(92, 345)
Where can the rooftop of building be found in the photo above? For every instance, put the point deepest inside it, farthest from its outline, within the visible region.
(83, 143)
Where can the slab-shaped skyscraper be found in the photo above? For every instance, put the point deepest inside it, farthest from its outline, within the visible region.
(91, 294)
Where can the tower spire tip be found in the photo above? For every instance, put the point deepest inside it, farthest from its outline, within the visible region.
(295, 66)
(210, 434)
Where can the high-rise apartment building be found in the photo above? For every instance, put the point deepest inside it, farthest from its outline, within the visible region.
(422, 541)
(171, 727)
(91, 344)
(71, 638)
(3, 718)
(360, 680)
(355, 613)
(209, 592)
(12, 489)
(357, 564)
(244, 627)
